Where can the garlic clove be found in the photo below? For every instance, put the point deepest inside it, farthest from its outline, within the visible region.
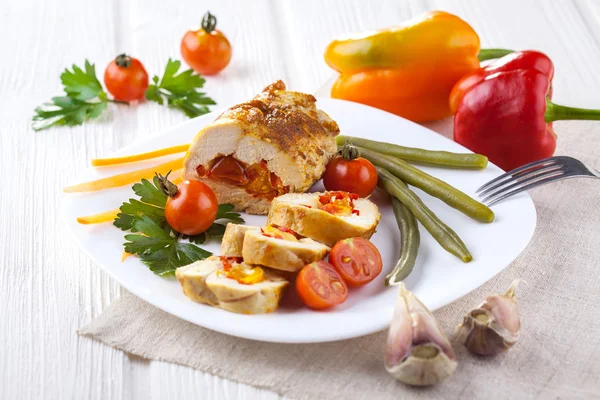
(494, 326)
(417, 351)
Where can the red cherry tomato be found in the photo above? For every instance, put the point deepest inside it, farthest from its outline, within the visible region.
(126, 78)
(206, 50)
(193, 209)
(355, 176)
(357, 260)
(320, 286)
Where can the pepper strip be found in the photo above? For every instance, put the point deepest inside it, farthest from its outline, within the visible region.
(105, 216)
(105, 162)
(108, 216)
(126, 178)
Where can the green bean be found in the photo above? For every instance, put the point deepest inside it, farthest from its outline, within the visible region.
(421, 156)
(409, 230)
(441, 232)
(431, 185)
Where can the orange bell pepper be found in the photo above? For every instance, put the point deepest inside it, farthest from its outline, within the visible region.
(410, 69)
(417, 94)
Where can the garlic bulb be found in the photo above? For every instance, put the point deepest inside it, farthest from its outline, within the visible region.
(494, 326)
(417, 352)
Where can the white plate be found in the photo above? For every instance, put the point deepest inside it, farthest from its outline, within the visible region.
(438, 278)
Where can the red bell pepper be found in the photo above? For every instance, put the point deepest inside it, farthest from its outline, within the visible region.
(503, 110)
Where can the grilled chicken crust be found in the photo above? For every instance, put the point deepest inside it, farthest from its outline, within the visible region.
(281, 127)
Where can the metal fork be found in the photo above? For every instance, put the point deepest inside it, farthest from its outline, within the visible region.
(532, 175)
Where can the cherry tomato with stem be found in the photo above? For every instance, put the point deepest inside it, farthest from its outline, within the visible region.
(350, 173)
(320, 286)
(206, 50)
(191, 206)
(126, 78)
(357, 260)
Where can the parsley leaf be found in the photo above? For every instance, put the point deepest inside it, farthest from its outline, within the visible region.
(150, 192)
(180, 91)
(152, 204)
(153, 240)
(82, 85)
(84, 100)
(65, 111)
(133, 210)
(224, 212)
(160, 250)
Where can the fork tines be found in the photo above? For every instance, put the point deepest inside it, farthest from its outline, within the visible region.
(521, 179)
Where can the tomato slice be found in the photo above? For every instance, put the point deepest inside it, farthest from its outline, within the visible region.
(320, 286)
(357, 260)
(231, 170)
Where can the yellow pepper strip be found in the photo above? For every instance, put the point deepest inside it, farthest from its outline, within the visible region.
(109, 216)
(124, 256)
(104, 162)
(256, 276)
(106, 216)
(126, 178)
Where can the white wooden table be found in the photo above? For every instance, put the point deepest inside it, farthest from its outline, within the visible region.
(48, 287)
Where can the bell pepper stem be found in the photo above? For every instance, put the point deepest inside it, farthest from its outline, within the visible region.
(488, 54)
(555, 112)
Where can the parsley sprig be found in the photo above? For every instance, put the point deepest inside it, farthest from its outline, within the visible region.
(84, 99)
(157, 244)
(180, 91)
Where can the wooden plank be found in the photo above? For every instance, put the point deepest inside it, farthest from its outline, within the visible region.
(49, 287)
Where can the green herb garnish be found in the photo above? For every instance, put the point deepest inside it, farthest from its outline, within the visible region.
(157, 244)
(180, 91)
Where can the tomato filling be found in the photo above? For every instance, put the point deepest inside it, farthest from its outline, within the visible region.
(280, 232)
(338, 203)
(256, 179)
(233, 269)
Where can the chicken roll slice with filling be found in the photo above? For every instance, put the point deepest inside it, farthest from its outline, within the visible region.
(325, 217)
(229, 283)
(279, 142)
(281, 248)
(233, 239)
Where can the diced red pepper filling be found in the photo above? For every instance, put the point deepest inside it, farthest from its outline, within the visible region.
(227, 262)
(338, 203)
(233, 269)
(256, 179)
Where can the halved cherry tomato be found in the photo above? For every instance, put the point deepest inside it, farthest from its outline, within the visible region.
(356, 176)
(206, 50)
(230, 170)
(320, 286)
(126, 78)
(357, 260)
(192, 209)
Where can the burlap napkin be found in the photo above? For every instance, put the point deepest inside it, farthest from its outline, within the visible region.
(558, 355)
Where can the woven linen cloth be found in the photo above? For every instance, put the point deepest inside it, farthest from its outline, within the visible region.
(557, 356)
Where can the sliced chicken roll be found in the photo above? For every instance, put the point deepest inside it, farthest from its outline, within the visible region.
(325, 217)
(277, 143)
(257, 298)
(281, 249)
(232, 285)
(193, 280)
(233, 239)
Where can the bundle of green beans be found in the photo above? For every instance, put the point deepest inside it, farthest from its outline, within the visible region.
(395, 173)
